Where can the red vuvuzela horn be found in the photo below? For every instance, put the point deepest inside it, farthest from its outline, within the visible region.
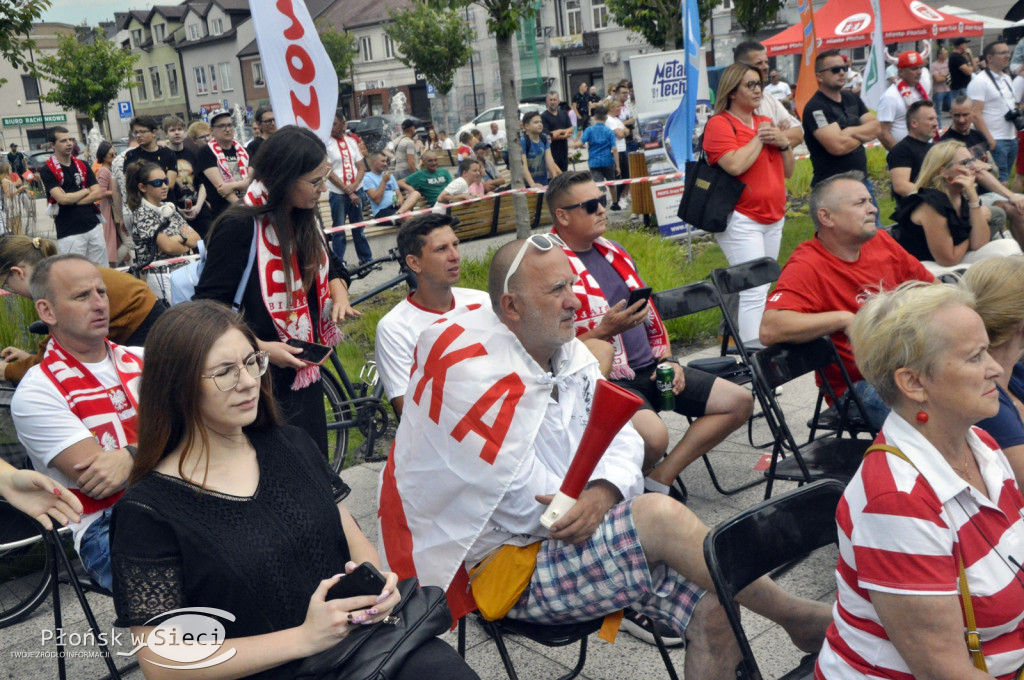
(612, 408)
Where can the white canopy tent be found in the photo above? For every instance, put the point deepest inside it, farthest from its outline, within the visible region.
(990, 23)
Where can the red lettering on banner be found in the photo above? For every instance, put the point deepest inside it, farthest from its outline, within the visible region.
(295, 31)
(306, 70)
(437, 363)
(509, 389)
(308, 113)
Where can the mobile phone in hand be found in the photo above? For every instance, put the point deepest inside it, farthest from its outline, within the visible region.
(364, 580)
(638, 294)
(312, 353)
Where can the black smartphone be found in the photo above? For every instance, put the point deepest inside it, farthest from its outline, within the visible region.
(311, 352)
(364, 580)
(638, 294)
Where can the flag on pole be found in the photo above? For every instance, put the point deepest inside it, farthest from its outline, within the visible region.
(807, 82)
(680, 124)
(875, 82)
(300, 77)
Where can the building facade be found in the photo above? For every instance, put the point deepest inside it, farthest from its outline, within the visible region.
(159, 89)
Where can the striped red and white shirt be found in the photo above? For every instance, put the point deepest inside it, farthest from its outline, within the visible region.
(900, 531)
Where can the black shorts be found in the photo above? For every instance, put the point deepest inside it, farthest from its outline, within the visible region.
(692, 401)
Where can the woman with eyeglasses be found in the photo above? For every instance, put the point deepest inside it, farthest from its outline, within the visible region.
(229, 509)
(297, 289)
(753, 149)
(943, 223)
(158, 229)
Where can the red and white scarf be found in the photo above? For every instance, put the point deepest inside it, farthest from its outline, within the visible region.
(222, 161)
(593, 304)
(283, 295)
(81, 173)
(111, 414)
(348, 167)
(907, 94)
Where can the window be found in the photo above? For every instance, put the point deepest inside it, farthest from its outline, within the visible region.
(600, 13)
(159, 32)
(257, 74)
(140, 84)
(858, 53)
(213, 79)
(225, 76)
(218, 26)
(366, 48)
(136, 36)
(201, 87)
(31, 86)
(389, 47)
(154, 78)
(172, 80)
(193, 32)
(573, 17)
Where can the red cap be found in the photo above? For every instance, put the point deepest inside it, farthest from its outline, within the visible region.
(910, 58)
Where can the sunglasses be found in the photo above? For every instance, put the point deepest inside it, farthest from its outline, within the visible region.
(590, 206)
(835, 70)
(156, 183)
(542, 242)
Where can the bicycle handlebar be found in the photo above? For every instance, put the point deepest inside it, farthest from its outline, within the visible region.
(363, 270)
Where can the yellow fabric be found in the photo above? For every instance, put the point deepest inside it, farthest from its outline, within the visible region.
(499, 581)
(610, 627)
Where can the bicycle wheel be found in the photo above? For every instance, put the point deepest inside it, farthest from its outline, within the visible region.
(25, 565)
(337, 411)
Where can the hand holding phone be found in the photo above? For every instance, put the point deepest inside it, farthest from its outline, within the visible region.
(638, 294)
(364, 580)
(312, 353)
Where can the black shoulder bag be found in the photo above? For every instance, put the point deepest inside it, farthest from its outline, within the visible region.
(710, 193)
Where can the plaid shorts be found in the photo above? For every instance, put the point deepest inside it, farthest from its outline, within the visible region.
(604, 574)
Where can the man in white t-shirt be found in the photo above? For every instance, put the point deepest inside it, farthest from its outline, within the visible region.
(754, 55)
(343, 187)
(496, 139)
(991, 90)
(779, 89)
(892, 107)
(429, 247)
(76, 411)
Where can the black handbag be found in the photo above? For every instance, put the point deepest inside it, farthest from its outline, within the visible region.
(709, 195)
(377, 652)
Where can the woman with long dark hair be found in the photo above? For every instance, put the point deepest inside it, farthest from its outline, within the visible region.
(296, 288)
(228, 509)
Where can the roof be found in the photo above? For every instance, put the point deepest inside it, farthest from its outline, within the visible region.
(351, 14)
(208, 39)
(174, 12)
(315, 7)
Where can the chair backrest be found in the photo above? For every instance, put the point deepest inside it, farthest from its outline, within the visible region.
(746, 275)
(684, 300)
(784, 362)
(765, 537)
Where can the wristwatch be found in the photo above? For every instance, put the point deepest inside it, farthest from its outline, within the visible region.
(671, 360)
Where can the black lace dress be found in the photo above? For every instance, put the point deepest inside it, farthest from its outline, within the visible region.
(911, 236)
(259, 557)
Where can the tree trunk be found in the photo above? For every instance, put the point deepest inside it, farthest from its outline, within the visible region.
(513, 134)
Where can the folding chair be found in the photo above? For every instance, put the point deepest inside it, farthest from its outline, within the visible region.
(691, 299)
(833, 457)
(558, 635)
(763, 538)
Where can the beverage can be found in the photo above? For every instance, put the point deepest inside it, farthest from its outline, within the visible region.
(188, 204)
(663, 376)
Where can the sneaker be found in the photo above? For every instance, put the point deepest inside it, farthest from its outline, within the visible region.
(614, 206)
(640, 626)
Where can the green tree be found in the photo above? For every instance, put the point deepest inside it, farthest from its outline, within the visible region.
(660, 22)
(435, 42)
(753, 15)
(16, 19)
(341, 49)
(87, 76)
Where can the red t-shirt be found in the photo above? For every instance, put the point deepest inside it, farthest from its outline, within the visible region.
(815, 281)
(764, 199)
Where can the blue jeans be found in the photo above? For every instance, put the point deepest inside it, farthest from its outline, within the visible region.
(342, 208)
(94, 550)
(943, 100)
(1004, 155)
(875, 408)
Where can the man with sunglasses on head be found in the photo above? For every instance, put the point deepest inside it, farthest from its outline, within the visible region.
(836, 122)
(76, 411)
(223, 164)
(754, 55)
(144, 131)
(892, 107)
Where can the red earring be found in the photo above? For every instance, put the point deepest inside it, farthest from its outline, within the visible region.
(922, 417)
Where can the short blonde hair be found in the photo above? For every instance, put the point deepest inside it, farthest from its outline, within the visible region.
(198, 128)
(935, 161)
(894, 330)
(997, 284)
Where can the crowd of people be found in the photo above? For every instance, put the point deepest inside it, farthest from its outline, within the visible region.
(187, 447)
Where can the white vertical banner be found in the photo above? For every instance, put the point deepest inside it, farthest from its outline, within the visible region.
(875, 82)
(300, 77)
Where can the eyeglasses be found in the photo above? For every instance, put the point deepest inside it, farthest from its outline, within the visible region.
(223, 126)
(157, 183)
(139, 133)
(267, 120)
(751, 84)
(834, 70)
(226, 378)
(203, 138)
(590, 205)
(320, 183)
(542, 242)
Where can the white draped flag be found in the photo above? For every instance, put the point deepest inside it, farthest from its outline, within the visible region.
(300, 76)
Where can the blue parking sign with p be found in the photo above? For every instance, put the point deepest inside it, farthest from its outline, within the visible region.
(124, 109)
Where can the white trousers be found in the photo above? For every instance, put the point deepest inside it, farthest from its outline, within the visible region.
(91, 245)
(744, 240)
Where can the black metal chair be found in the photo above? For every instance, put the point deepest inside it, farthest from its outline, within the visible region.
(831, 457)
(763, 538)
(694, 298)
(559, 635)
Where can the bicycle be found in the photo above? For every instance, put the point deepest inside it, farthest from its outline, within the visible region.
(359, 405)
